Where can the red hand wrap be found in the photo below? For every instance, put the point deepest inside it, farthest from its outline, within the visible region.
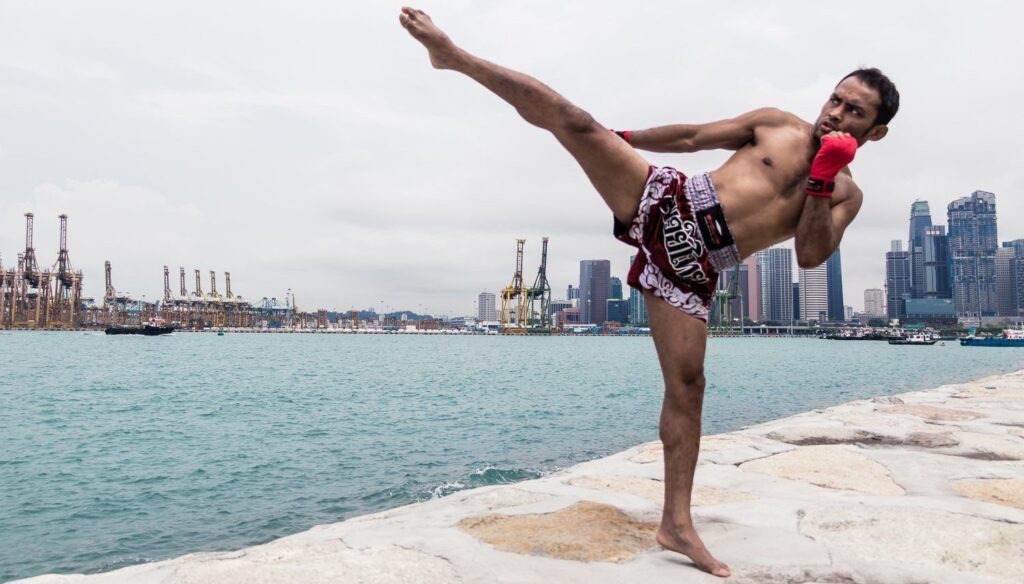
(834, 154)
(624, 134)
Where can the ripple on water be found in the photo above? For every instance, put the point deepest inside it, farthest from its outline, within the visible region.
(133, 451)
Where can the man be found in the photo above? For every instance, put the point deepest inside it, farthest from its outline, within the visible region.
(788, 178)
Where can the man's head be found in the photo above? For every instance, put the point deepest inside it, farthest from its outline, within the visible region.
(862, 104)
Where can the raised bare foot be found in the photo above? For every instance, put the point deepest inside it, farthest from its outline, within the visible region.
(443, 52)
(687, 542)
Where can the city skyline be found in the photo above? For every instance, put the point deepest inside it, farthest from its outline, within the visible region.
(343, 167)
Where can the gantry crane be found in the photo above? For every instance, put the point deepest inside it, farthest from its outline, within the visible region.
(513, 316)
(723, 314)
(539, 311)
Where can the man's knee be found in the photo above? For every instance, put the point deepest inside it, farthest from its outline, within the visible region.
(686, 388)
(575, 119)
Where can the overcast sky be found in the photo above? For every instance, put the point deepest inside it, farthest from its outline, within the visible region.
(309, 145)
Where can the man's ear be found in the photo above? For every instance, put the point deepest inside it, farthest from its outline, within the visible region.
(877, 133)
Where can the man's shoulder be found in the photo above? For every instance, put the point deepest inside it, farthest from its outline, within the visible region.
(773, 116)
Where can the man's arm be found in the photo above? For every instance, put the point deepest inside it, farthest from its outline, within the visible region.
(824, 220)
(730, 134)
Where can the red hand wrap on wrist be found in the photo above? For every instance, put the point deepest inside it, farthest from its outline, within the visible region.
(835, 153)
(624, 134)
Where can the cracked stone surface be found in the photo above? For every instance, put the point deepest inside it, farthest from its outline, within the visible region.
(585, 532)
(931, 539)
(1002, 491)
(926, 486)
(833, 467)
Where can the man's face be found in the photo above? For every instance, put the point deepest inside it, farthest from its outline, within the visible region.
(852, 108)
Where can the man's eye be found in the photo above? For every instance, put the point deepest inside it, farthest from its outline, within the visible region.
(835, 100)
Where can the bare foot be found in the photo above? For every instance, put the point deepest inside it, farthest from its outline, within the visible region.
(443, 52)
(688, 543)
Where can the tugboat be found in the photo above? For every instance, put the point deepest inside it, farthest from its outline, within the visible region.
(1009, 338)
(914, 339)
(155, 327)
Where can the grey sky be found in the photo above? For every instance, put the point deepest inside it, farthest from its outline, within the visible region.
(312, 147)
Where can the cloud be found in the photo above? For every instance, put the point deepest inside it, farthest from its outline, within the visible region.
(312, 147)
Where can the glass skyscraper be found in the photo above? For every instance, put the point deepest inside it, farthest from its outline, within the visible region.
(920, 221)
(776, 267)
(637, 304)
(936, 263)
(897, 280)
(834, 270)
(973, 240)
(595, 280)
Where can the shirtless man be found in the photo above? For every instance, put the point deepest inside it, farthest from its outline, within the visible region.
(788, 178)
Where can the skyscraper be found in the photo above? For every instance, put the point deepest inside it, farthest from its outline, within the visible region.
(776, 267)
(637, 304)
(834, 269)
(874, 302)
(753, 292)
(814, 293)
(796, 302)
(897, 280)
(486, 309)
(920, 220)
(1006, 281)
(973, 240)
(615, 289)
(936, 263)
(595, 277)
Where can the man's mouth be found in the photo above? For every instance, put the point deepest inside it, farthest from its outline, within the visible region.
(827, 127)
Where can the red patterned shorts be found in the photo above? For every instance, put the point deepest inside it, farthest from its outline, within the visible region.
(683, 239)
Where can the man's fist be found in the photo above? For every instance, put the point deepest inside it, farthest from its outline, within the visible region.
(837, 150)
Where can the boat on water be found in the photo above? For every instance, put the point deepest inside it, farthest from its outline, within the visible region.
(914, 339)
(1009, 338)
(155, 327)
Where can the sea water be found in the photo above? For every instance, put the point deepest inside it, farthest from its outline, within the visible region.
(119, 450)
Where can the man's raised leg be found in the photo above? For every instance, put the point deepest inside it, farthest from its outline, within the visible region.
(680, 341)
(616, 170)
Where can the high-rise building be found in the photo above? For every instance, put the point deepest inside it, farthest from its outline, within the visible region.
(920, 220)
(834, 269)
(897, 280)
(573, 293)
(814, 293)
(796, 301)
(637, 304)
(847, 312)
(874, 302)
(1017, 245)
(1017, 275)
(1006, 281)
(615, 289)
(595, 277)
(936, 263)
(486, 309)
(776, 268)
(1018, 269)
(618, 310)
(753, 293)
(973, 239)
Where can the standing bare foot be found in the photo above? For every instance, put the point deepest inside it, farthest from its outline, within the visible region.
(443, 52)
(687, 542)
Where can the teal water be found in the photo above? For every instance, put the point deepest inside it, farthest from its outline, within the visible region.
(119, 450)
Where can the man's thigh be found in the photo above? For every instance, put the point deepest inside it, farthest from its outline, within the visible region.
(616, 170)
(679, 339)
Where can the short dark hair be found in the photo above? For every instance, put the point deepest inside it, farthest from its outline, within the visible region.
(889, 98)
